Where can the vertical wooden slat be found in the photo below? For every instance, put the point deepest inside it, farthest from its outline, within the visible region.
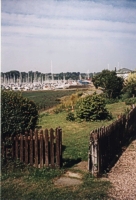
(26, 148)
(41, 149)
(52, 147)
(36, 148)
(2, 149)
(57, 147)
(13, 148)
(21, 147)
(16, 146)
(46, 140)
(31, 148)
(60, 143)
(98, 152)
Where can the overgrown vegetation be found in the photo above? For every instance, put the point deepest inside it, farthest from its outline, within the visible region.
(18, 114)
(47, 99)
(130, 101)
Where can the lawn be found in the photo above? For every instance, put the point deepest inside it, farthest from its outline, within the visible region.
(23, 182)
(76, 135)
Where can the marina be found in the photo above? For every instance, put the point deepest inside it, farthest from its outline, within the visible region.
(30, 83)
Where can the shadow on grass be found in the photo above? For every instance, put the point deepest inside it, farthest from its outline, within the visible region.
(67, 163)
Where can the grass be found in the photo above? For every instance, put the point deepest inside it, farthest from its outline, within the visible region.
(23, 183)
(47, 99)
(30, 183)
(76, 135)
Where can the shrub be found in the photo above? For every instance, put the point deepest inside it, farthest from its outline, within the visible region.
(58, 109)
(70, 116)
(91, 108)
(18, 114)
(130, 101)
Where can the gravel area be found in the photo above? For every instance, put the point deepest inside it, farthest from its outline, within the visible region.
(123, 175)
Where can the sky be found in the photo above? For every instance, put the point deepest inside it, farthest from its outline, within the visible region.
(68, 35)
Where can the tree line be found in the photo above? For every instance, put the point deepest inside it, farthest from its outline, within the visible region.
(68, 75)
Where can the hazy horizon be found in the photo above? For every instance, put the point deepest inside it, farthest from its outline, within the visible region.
(75, 35)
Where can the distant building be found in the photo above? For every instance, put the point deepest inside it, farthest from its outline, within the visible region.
(124, 72)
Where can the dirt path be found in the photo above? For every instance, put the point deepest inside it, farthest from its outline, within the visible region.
(123, 175)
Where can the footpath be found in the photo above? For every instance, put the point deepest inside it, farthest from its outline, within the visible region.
(123, 175)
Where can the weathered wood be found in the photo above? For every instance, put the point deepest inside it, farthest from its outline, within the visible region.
(13, 148)
(41, 149)
(21, 148)
(16, 146)
(57, 135)
(46, 140)
(52, 147)
(36, 148)
(31, 148)
(110, 141)
(60, 143)
(26, 148)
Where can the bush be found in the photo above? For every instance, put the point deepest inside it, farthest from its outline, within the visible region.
(130, 101)
(18, 114)
(70, 116)
(92, 108)
(58, 109)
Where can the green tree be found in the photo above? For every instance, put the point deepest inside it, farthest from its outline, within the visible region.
(111, 84)
(130, 85)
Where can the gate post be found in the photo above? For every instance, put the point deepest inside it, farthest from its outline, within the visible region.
(93, 154)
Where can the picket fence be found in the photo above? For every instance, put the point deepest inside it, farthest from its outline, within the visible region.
(38, 148)
(106, 143)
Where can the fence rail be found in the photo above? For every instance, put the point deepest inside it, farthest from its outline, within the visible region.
(106, 142)
(38, 149)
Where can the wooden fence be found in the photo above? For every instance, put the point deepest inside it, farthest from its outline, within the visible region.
(39, 149)
(106, 143)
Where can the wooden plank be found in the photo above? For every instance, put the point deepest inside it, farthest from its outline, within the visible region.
(21, 147)
(52, 147)
(57, 147)
(60, 143)
(41, 149)
(16, 146)
(31, 148)
(13, 148)
(46, 142)
(36, 148)
(26, 148)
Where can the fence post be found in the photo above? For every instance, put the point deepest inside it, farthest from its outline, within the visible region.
(95, 165)
(52, 147)
(16, 146)
(21, 147)
(57, 134)
(31, 148)
(41, 149)
(46, 140)
(36, 148)
(26, 148)
(90, 152)
(60, 139)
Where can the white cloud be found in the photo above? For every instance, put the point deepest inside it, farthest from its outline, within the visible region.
(73, 33)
